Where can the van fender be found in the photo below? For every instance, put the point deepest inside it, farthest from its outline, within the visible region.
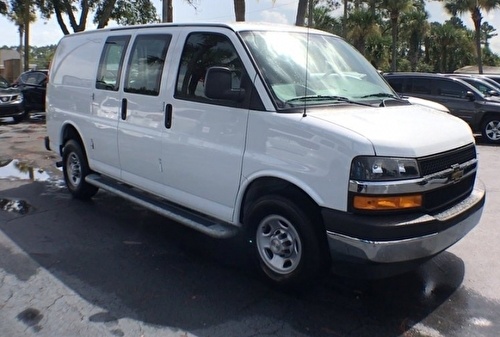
(248, 183)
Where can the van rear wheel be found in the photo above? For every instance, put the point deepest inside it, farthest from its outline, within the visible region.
(75, 169)
(286, 245)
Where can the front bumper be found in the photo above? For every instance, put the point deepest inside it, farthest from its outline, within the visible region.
(440, 231)
(11, 110)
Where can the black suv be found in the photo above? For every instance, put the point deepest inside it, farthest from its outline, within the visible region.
(33, 85)
(463, 100)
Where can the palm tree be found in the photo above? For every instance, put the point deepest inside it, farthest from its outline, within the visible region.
(23, 14)
(239, 10)
(395, 8)
(323, 20)
(451, 46)
(487, 32)
(344, 22)
(414, 28)
(301, 12)
(167, 11)
(474, 7)
(361, 26)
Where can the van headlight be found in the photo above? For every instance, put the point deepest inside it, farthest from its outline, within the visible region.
(377, 170)
(370, 168)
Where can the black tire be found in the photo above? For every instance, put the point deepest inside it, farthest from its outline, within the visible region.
(286, 245)
(75, 169)
(19, 119)
(490, 130)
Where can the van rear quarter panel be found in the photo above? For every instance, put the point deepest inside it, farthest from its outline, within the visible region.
(70, 96)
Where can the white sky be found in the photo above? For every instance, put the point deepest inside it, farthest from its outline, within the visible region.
(282, 11)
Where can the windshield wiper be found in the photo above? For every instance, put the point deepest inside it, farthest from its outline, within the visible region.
(325, 98)
(381, 94)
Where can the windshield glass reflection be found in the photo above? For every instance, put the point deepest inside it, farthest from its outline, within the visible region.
(313, 68)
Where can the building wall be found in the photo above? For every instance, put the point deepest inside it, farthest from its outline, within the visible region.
(10, 64)
(12, 70)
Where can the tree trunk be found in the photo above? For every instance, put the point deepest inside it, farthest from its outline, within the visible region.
(476, 17)
(344, 23)
(60, 19)
(167, 11)
(394, 23)
(239, 10)
(106, 13)
(26, 20)
(21, 49)
(301, 13)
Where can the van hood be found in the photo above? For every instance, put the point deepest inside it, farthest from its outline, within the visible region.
(408, 130)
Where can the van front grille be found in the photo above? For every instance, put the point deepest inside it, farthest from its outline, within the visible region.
(445, 160)
(442, 197)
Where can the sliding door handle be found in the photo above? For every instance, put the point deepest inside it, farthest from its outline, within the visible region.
(124, 108)
(168, 116)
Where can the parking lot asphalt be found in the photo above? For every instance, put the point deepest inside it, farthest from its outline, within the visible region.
(109, 268)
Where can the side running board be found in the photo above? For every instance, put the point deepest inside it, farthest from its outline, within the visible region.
(188, 218)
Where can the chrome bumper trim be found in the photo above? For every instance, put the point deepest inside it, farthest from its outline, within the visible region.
(412, 248)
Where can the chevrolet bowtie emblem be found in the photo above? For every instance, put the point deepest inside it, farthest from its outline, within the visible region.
(457, 173)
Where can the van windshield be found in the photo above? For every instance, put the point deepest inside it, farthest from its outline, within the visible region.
(302, 68)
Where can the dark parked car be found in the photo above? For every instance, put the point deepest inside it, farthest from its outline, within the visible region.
(11, 101)
(485, 85)
(33, 85)
(463, 100)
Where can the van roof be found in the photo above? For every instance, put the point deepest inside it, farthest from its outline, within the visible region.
(235, 26)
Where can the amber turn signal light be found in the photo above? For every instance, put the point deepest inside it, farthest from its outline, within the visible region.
(379, 203)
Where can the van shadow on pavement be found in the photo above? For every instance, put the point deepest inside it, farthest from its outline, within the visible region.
(159, 272)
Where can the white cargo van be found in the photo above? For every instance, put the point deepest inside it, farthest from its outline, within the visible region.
(286, 135)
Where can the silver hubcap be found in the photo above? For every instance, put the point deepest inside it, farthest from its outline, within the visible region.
(279, 244)
(493, 130)
(74, 169)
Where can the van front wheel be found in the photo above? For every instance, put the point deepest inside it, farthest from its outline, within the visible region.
(75, 169)
(285, 243)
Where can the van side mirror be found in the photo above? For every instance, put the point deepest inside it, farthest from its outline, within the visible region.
(222, 83)
(470, 95)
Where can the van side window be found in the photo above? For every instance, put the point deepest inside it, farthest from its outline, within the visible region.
(202, 51)
(145, 64)
(110, 65)
(450, 89)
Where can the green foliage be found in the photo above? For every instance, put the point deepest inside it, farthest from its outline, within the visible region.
(42, 56)
(39, 56)
(123, 11)
(424, 67)
(379, 29)
(397, 35)
(131, 12)
(3, 7)
(490, 58)
(404, 64)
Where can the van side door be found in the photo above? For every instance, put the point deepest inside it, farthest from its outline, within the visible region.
(103, 147)
(141, 120)
(205, 138)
